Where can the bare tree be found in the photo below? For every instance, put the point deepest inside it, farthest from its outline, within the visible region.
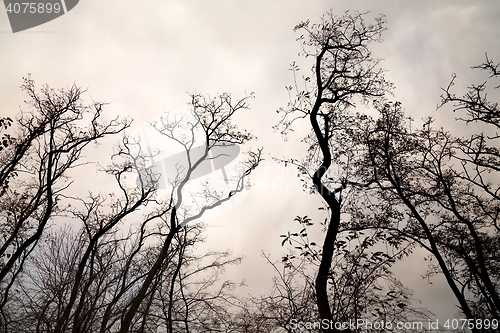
(343, 74)
(189, 294)
(132, 251)
(361, 285)
(48, 141)
(195, 299)
(479, 159)
(291, 298)
(449, 187)
(213, 118)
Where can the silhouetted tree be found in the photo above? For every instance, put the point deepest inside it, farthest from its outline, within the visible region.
(405, 186)
(189, 294)
(343, 74)
(449, 186)
(361, 285)
(213, 118)
(47, 141)
(128, 252)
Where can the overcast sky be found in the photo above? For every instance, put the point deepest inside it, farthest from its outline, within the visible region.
(144, 57)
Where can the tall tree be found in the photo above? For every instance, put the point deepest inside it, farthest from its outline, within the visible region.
(211, 116)
(132, 251)
(47, 141)
(449, 186)
(343, 74)
(361, 286)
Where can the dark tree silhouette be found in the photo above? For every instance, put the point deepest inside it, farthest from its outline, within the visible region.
(406, 186)
(343, 74)
(450, 186)
(126, 262)
(48, 141)
(213, 118)
(361, 285)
